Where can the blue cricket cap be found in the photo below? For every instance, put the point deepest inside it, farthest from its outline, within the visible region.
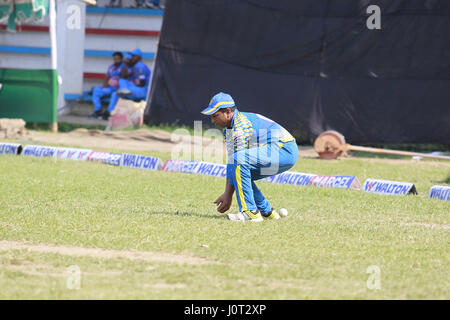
(219, 101)
(136, 52)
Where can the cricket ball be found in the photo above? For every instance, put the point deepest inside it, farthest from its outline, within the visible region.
(283, 212)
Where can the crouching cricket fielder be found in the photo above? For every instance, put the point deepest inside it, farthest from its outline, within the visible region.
(257, 148)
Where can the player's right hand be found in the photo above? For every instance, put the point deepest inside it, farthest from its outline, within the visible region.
(223, 203)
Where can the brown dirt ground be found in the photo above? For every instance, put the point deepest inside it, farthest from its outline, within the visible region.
(163, 141)
(103, 253)
(428, 225)
(51, 271)
(142, 139)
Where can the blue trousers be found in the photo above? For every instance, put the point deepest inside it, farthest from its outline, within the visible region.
(98, 93)
(257, 163)
(136, 93)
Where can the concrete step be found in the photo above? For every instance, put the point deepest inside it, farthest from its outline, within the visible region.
(83, 108)
(82, 120)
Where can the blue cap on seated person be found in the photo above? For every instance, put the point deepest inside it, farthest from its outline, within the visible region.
(136, 52)
(219, 101)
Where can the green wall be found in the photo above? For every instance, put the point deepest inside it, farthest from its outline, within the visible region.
(31, 95)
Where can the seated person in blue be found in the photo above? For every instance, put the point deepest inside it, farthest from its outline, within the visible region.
(110, 84)
(133, 84)
(127, 60)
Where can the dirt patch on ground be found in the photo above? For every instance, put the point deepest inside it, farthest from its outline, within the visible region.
(136, 140)
(143, 139)
(104, 253)
(35, 270)
(51, 271)
(404, 161)
(163, 285)
(428, 225)
(163, 141)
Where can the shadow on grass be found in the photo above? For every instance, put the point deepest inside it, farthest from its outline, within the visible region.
(192, 214)
(446, 181)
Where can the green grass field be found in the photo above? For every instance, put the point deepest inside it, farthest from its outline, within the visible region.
(320, 251)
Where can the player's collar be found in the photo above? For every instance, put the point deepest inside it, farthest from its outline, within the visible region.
(232, 119)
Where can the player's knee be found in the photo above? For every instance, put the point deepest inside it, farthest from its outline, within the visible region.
(123, 83)
(97, 90)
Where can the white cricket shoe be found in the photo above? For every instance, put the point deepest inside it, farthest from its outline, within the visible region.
(246, 216)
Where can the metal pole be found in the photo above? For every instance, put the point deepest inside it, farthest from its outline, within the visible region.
(394, 152)
(149, 90)
(54, 50)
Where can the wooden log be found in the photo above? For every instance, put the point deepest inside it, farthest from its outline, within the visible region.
(347, 147)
